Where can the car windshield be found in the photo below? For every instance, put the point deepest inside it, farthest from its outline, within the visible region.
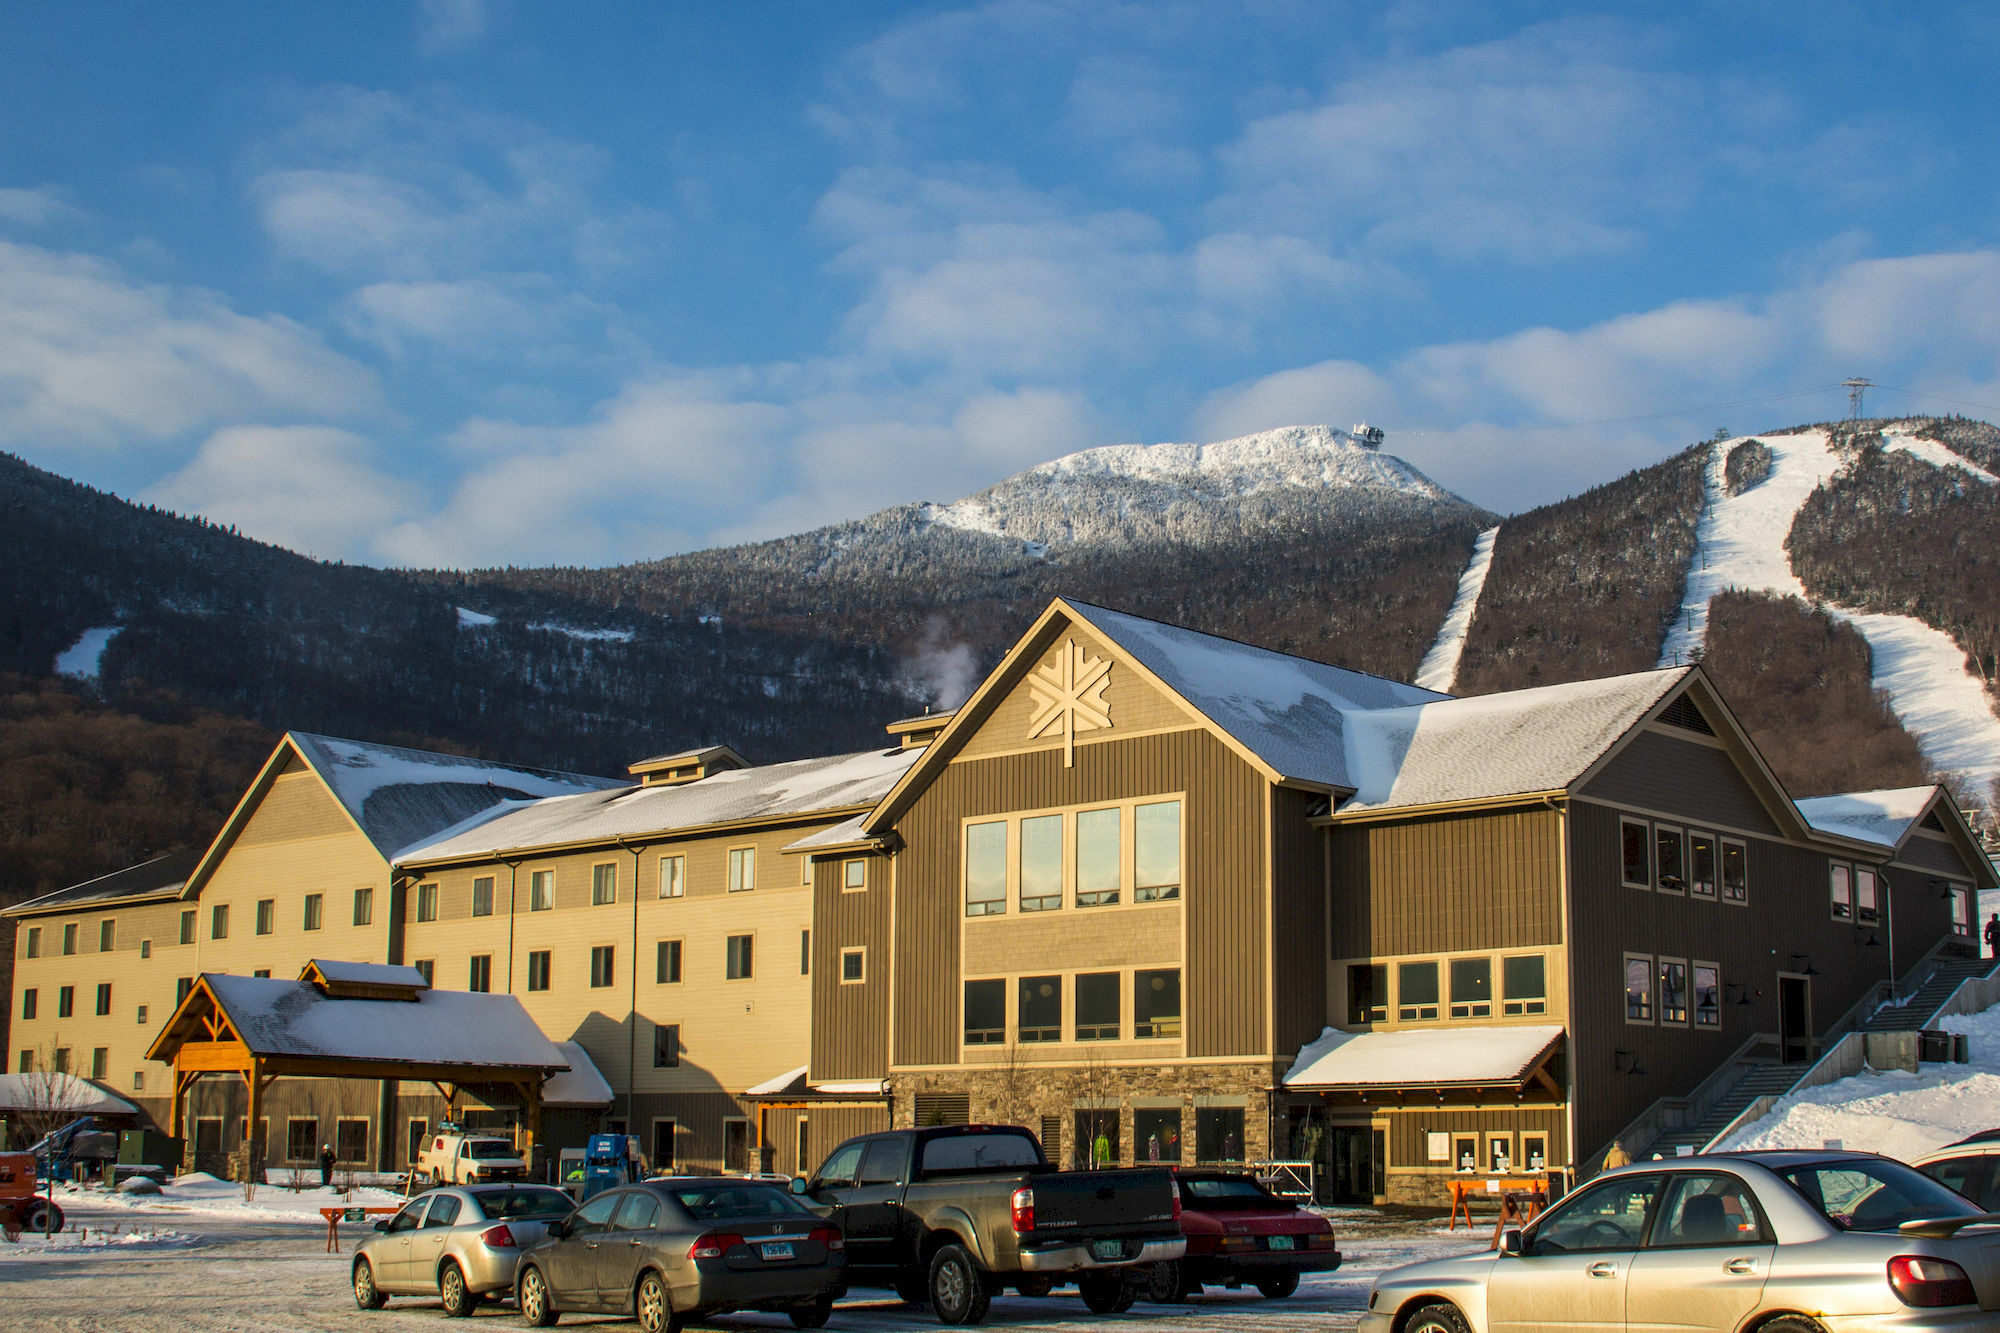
(1226, 1192)
(706, 1203)
(489, 1148)
(525, 1203)
(1872, 1194)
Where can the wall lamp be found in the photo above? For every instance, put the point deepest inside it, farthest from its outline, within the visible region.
(1808, 970)
(1866, 938)
(1620, 1056)
(1742, 993)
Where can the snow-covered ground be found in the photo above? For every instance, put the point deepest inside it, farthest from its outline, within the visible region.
(198, 1195)
(84, 659)
(1892, 1111)
(1899, 437)
(1439, 669)
(1936, 698)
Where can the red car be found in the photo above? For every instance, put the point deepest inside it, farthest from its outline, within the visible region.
(1240, 1233)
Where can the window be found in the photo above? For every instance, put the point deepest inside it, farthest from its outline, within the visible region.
(187, 926)
(350, 1140)
(985, 1013)
(1156, 851)
(107, 935)
(1867, 896)
(1638, 988)
(444, 1211)
(1416, 992)
(673, 884)
(301, 1140)
(1961, 910)
(1040, 1014)
(1157, 1132)
(1840, 891)
(61, 1065)
(1098, 1006)
(663, 1146)
(853, 966)
(1099, 858)
(1367, 993)
(1669, 866)
(853, 875)
(265, 972)
(34, 946)
(69, 939)
(1499, 1153)
(1472, 988)
(1707, 995)
(802, 1147)
(538, 970)
(141, 1013)
(542, 891)
(414, 1134)
(1606, 1217)
(1523, 986)
(742, 869)
(842, 1167)
(735, 1145)
(427, 967)
(479, 973)
(100, 1062)
(315, 904)
(182, 985)
(1156, 1003)
(738, 963)
(1673, 991)
(604, 884)
(986, 868)
(66, 1002)
(667, 962)
(1218, 1134)
(1041, 863)
(1701, 865)
(667, 1046)
(1535, 1151)
(805, 953)
(1705, 1210)
(1635, 837)
(600, 965)
(145, 949)
(138, 1080)
(267, 915)
(103, 998)
(482, 896)
(427, 902)
(1735, 871)
(364, 906)
(28, 999)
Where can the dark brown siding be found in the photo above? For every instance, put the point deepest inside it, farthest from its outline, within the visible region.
(1451, 882)
(1407, 1129)
(1919, 912)
(833, 1125)
(1787, 913)
(1685, 778)
(1932, 855)
(1224, 988)
(1298, 896)
(850, 1037)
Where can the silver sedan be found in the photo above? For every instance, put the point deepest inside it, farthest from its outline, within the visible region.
(459, 1244)
(1779, 1242)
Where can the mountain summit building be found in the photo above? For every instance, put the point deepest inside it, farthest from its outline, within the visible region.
(1157, 894)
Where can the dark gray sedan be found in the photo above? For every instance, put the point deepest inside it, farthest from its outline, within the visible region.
(668, 1250)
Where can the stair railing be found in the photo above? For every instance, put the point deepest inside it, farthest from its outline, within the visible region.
(1668, 1113)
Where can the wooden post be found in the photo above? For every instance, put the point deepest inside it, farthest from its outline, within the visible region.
(531, 1107)
(255, 1149)
(177, 1118)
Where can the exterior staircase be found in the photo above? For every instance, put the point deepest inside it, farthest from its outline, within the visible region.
(1917, 1012)
(1769, 1079)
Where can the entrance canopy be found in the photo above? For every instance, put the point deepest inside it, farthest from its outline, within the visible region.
(1510, 1056)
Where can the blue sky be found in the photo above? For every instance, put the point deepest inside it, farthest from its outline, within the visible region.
(466, 282)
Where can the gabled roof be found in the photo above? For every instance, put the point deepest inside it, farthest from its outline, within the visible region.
(59, 1093)
(579, 1085)
(161, 877)
(1883, 817)
(1495, 1056)
(775, 792)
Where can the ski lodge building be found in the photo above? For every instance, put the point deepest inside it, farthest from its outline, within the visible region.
(1205, 902)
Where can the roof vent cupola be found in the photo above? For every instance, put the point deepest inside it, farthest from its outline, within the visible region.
(674, 770)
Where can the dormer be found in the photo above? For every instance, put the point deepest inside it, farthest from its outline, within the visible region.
(339, 980)
(914, 733)
(674, 770)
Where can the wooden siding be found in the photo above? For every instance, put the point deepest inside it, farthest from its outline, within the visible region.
(1936, 856)
(1787, 910)
(1919, 912)
(1408, 1149)
(1689, 778)
(1224, 984)
(850, 1022)
(1450, 883)
(831, 1126)
(1133, 706)
(1298, 921)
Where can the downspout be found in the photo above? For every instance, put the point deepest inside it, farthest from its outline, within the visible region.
(632, 1008)
(1569, 984)
(513, 880)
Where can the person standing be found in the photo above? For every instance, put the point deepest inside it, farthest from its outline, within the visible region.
(326, 1166)
(1993, 935)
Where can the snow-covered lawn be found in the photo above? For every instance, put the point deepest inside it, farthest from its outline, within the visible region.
(201, 1195)
(1892, 1111)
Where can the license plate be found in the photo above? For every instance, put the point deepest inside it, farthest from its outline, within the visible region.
(1107, 1249)
(776, 1249)
(1281, 1242)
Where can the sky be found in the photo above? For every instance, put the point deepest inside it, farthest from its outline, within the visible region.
(485, 282)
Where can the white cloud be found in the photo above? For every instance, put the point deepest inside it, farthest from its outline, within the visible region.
(34, 208)
(311, 488)
(524, 316)
(90, 357)
(447, 26)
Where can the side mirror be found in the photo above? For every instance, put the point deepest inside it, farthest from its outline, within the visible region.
(798, 1185)
(1513, 1242)
(557, 1229)
(381, 1224)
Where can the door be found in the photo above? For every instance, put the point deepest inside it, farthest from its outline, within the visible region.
(1794, 1019)
(1351, 1168)
(572, 1261)
(392, 1272)
(634, 1228)
(858, 1184)
(1705, 1261)
(1579, 1259)
(427, 1242)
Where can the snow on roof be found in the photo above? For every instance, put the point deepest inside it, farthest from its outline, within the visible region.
(789, 1081)
(399, 796)
(1423, 1056)
(801, 787)
(160, 876)
(59, 1093)
(847, 831)
(342, 972)
(793, 1082)
(1522, 741)
(580, 1084)
(1882, 817)
(278, 1017)
(1288, 711)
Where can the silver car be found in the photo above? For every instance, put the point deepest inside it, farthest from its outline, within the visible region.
(1778, 1242)
(458, 1244)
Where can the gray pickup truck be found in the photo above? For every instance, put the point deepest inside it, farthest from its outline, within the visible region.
(951, 1215)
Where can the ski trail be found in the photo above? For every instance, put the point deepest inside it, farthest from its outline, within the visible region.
(1439, 669)
(1898, 437)
(1937, 700)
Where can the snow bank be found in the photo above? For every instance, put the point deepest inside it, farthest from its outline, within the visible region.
(84, 659)
(200, 1194)
(90, 1241)
(1439, 669)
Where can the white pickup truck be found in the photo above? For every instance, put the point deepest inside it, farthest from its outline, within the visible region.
(451, 1158)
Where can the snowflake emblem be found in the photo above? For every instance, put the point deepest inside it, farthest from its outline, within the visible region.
(1069, 693)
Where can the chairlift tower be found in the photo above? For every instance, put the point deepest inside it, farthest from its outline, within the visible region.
(1856, 387)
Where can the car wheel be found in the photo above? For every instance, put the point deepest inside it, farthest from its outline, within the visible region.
(437, 1177)
(458, 1302)
(1790, 1323)
(1107, 1293)
(1279, 1287)
(534, 1299)
(958, 1288)
(1164, 1284)
(811, 1316)
(913, 1290)
(1437, 1318)
(1035, 1287)
(42, 1216)
(655, 1307)
(366, 1294)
